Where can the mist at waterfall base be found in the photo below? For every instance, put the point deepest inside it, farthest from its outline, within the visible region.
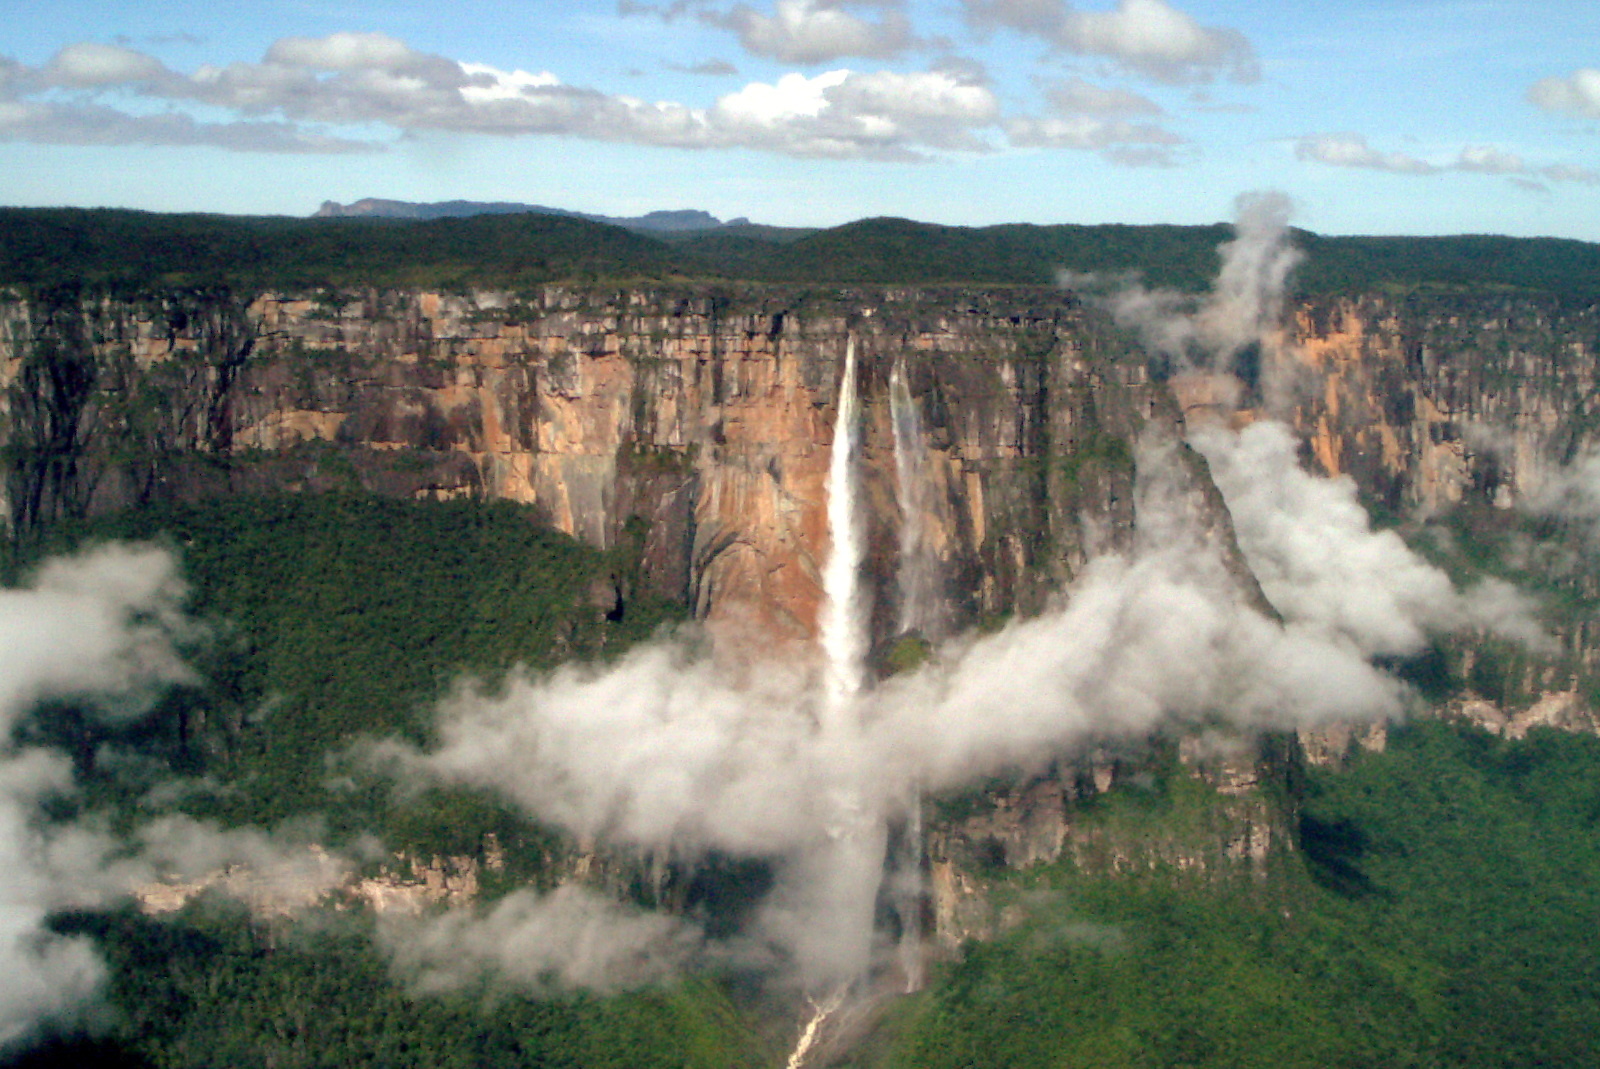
(679, 754)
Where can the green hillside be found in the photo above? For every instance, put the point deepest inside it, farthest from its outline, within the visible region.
(140, 252)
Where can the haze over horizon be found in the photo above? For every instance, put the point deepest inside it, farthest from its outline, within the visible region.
(1391, 117)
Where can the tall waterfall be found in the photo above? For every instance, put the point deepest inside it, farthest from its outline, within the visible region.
(831, 888)
(844, 620)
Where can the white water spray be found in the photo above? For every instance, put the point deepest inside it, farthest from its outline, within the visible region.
(832, 887)
(843, 630)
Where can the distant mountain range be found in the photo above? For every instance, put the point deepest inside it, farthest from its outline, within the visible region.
(684, 220)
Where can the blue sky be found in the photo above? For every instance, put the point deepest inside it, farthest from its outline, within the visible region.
(1401, 116)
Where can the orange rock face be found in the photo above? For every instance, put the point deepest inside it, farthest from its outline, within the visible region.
(701, 419)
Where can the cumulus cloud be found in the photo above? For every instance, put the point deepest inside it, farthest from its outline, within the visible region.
(1130, 143)
(712, 68)
(843, 113)
(89, 64)
(1097, 119)
(306, 88)
(89, 124)
(1577, 94)
(1146, 37)
(1486, 159)
(1562, 172)
(1352, 150)
(356, 52)
(97, 628)
(1074, 96)
(815, 31)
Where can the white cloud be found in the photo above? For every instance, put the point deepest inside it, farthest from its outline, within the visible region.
(1093, 118)
(97, 627)
(80, 124)
(815, 31)
(1311, 546)
(1148, 37)
(89, 64)
(844, 113)
(793, 96)
(348, 52)
(1074, 96)
(1486, 159)
(1577, 93)
(306, 87)
(1562, 172)
(1109, 136)
(1352, 150)
(485, 83)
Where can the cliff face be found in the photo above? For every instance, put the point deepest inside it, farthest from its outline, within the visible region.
(692, 427)
(705, 416)
(1428, 402)
(1475, 416)
(698, 423)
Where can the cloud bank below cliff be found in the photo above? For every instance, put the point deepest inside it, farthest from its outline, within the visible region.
(101, 630)
(97, 628)
(674, 752)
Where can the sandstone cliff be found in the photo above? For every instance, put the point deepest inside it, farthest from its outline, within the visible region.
(697, 421)
(691, 428)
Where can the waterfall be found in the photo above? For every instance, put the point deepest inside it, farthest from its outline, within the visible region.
(831, 888)
(843, 630)
(917, 575)
(917, 579)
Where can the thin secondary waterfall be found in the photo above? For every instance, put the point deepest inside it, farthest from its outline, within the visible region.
(916, 580)
(843, 630)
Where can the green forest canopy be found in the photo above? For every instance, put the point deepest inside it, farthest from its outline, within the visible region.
(132, 252)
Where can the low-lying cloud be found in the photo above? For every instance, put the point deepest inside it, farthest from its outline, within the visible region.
(99, 628)
(671, 752)
(1242, 309)
(570, 938)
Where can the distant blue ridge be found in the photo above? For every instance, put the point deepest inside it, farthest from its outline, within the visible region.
(682, 220)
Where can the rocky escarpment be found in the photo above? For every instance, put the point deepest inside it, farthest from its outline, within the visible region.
(1470, 421)
(694, 422)
(1430, 401)
(691, 427)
